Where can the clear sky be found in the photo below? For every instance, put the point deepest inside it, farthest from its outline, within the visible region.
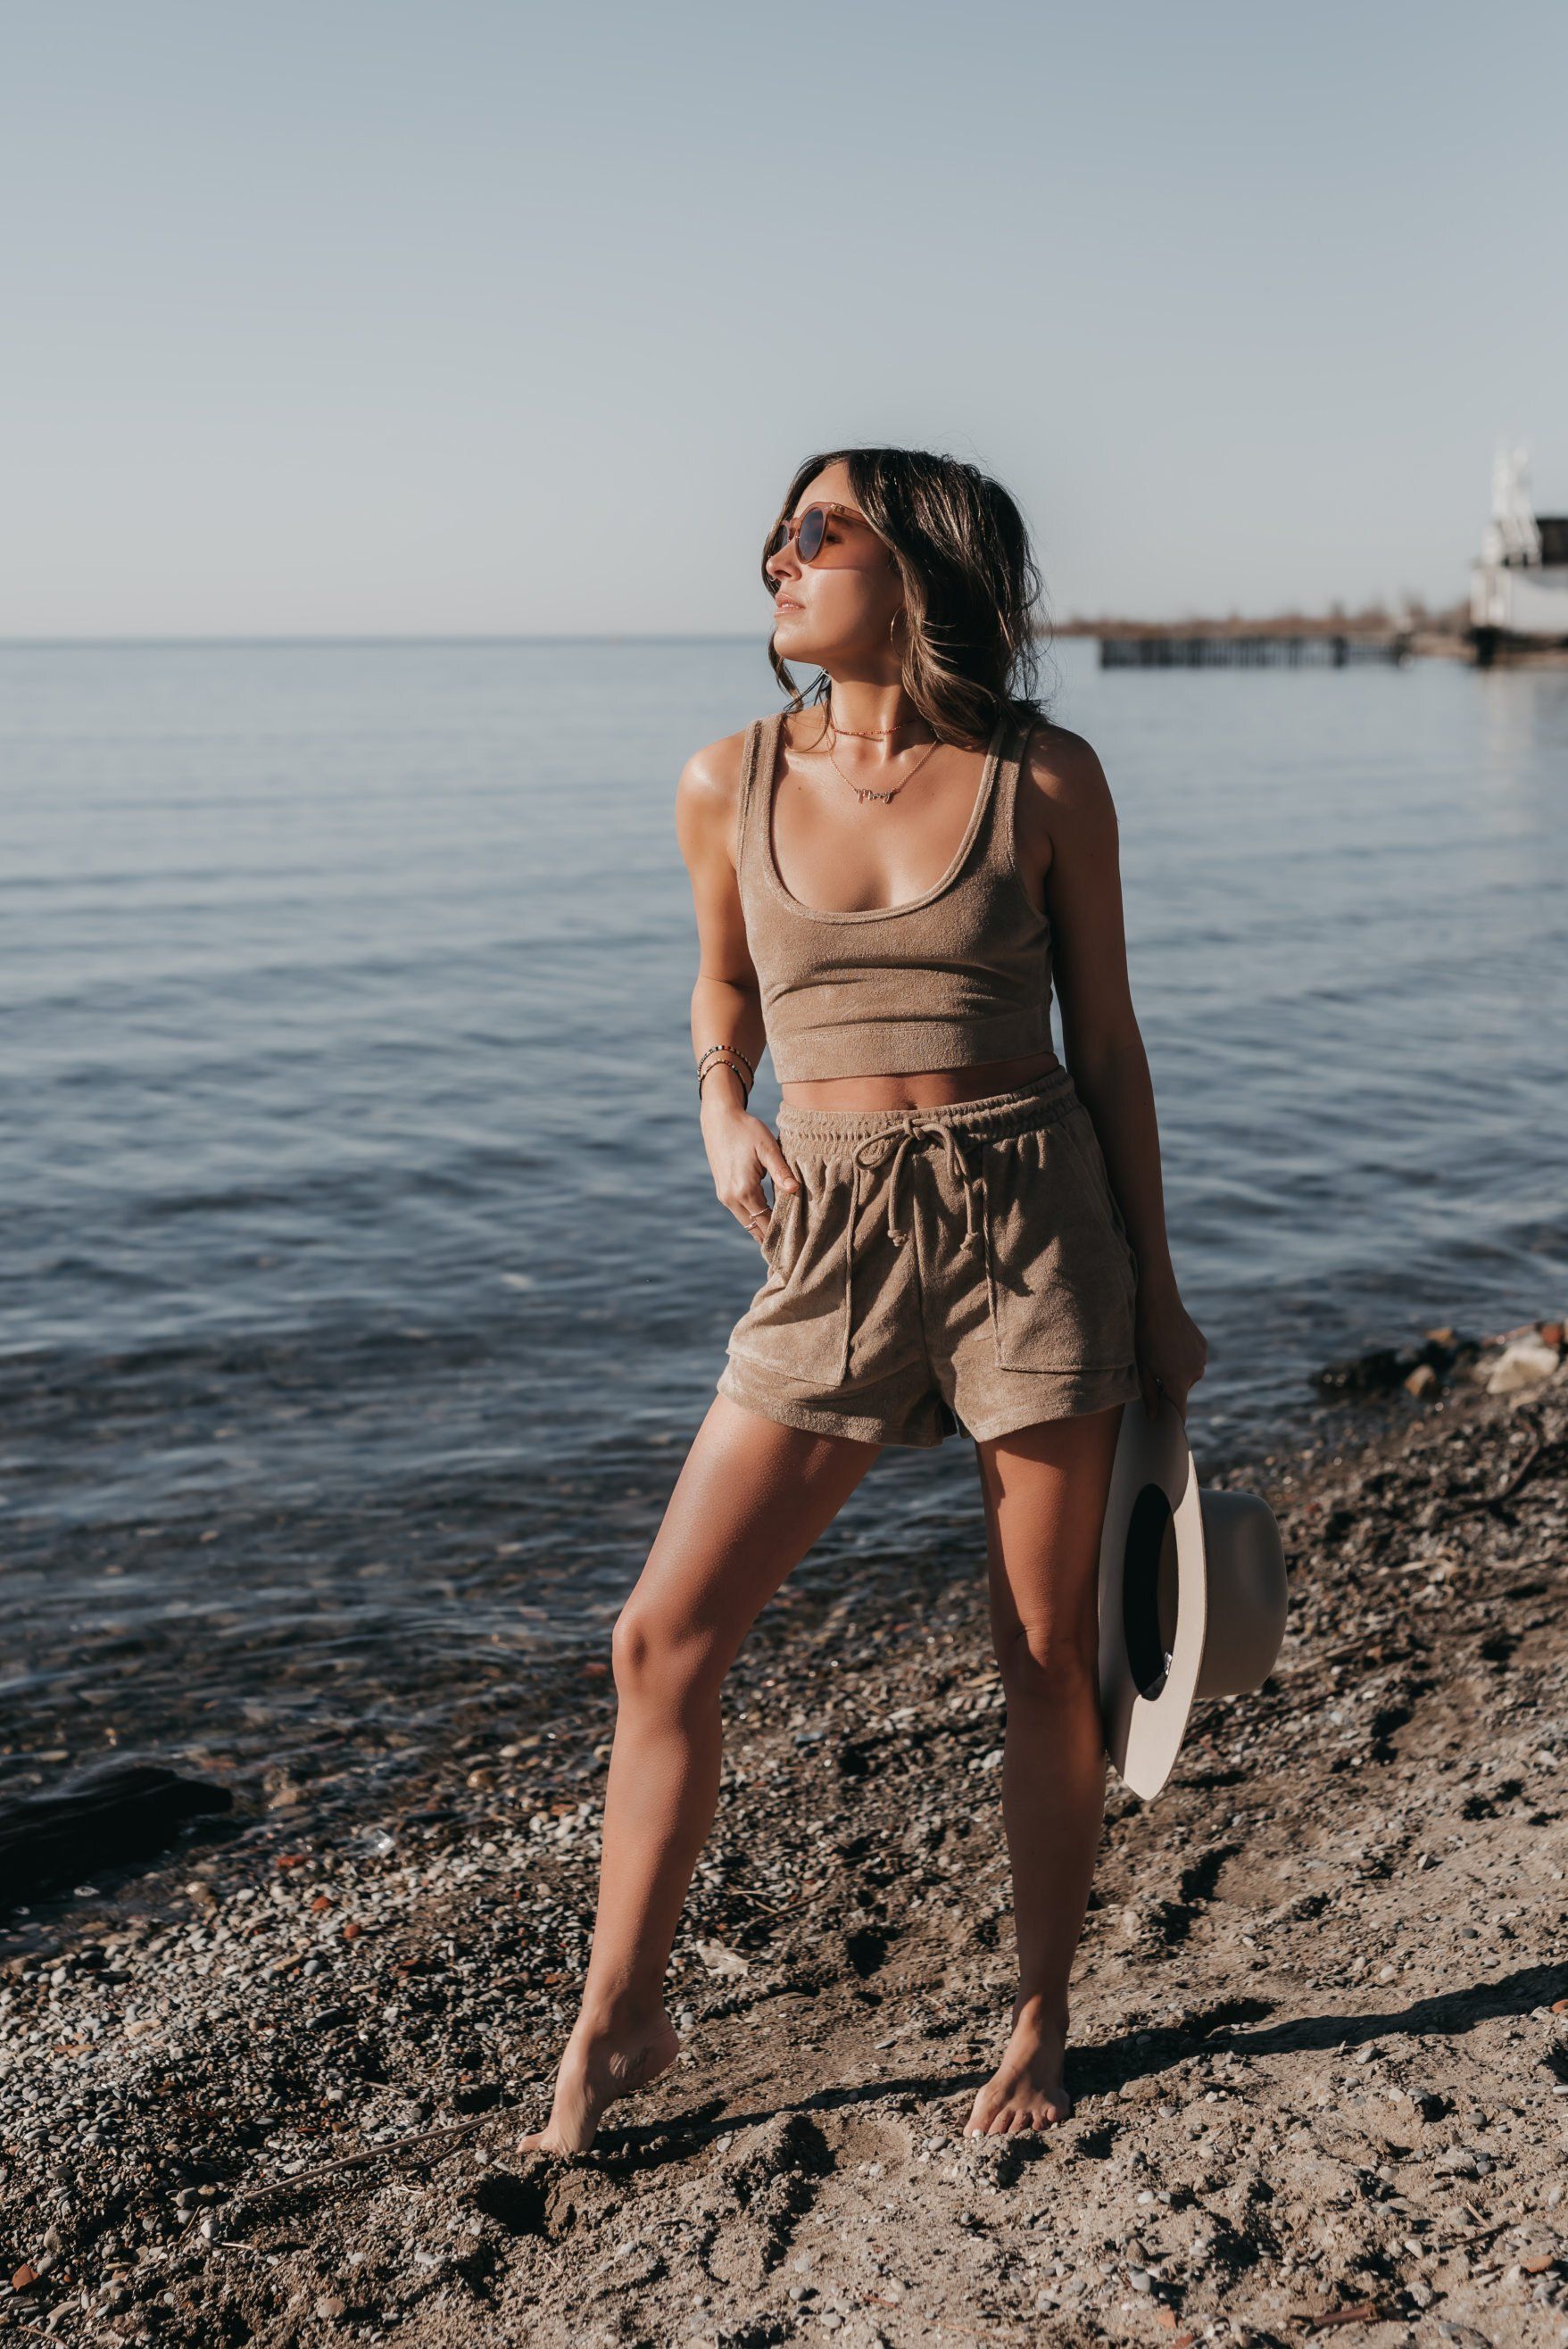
(369, 316)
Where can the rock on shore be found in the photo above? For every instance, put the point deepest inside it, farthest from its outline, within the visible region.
(269, 2093)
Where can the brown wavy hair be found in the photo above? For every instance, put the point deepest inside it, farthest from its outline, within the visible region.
(970, 583)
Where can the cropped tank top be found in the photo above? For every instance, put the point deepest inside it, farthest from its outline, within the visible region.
(957, 976)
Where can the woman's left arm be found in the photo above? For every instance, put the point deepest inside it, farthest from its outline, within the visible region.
(1068, 845)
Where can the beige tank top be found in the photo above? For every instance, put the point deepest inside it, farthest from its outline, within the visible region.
(958, 976)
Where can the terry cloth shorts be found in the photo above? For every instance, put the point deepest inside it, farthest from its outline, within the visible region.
(962, 1269)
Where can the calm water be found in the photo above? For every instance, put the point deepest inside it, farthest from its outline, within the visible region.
(364, 1278)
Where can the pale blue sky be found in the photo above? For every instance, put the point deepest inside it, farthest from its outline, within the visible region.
(367, 316)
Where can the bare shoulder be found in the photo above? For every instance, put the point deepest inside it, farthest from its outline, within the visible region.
(707, 796)
(1065, 822)
(1063, 769)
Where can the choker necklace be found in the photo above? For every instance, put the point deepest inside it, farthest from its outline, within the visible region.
(875, 734)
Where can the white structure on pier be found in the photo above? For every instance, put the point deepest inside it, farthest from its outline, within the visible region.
(1519, 586)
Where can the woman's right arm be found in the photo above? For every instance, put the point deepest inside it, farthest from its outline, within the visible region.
(726, 999)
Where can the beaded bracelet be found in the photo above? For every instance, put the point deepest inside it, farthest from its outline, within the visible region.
(725, 1063)
(729, 1054)
(727, 1048)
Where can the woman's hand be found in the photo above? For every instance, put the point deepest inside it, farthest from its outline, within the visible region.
(1173, 1351)
(741, 1150)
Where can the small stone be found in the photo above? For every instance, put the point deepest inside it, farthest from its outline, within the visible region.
(330, 2307)
(718, 1960)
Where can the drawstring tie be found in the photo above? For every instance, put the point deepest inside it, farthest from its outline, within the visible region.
(878, 1146)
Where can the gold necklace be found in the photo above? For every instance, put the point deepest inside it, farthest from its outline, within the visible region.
(861, 794)
(875, 734)
(934, 744)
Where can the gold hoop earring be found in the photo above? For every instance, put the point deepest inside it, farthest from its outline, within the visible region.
(894, 623)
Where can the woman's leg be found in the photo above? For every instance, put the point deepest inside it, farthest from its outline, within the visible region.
(751, 1498)
(1045, 1490)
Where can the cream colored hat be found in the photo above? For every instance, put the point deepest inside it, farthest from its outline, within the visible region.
(1192, 1594)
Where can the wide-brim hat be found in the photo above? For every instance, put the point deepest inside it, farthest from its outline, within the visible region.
(1192, 1592)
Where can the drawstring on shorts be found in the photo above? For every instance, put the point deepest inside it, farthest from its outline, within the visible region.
(894, 1134)
(876, 1147)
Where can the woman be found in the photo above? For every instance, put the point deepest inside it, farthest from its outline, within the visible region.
(881, 874)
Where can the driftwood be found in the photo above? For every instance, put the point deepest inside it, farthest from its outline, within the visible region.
(426, 2140)
(124, 1811)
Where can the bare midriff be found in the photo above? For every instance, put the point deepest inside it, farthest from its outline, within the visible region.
(921, 1088)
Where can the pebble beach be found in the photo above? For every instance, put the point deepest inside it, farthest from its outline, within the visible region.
(267, 2087)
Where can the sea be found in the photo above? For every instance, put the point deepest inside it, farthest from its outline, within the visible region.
(364, 1278)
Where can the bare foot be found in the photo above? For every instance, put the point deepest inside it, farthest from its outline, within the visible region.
(1026, 2091)
(597, 2067)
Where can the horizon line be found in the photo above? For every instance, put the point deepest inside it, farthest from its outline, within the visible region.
(410, 636)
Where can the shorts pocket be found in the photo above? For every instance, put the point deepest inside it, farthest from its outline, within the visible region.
(798, 1324)
(1060, 1275)
(1080, 1133)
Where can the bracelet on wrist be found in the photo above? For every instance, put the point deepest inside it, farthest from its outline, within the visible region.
(725, 1063)
(734, 1051)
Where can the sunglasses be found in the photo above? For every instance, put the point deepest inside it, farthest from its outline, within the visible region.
(809, 531)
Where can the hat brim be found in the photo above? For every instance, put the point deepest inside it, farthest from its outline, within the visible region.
(1153, 1496)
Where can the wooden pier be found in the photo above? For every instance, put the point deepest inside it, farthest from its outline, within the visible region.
(1325, 650)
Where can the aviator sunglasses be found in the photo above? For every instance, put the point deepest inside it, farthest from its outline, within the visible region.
(809, 531)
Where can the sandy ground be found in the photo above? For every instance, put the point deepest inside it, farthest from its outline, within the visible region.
(268, 2090)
